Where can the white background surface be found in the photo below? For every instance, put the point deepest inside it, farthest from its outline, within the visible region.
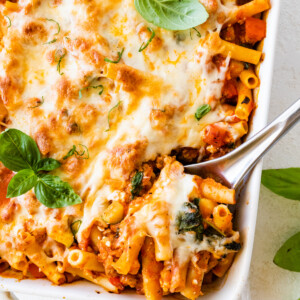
(278, 218)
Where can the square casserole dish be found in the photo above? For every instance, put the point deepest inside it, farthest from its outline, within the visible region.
(231, 287)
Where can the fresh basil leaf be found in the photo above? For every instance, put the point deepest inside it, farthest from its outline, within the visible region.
(47, 164)
(55, 193)
(288, 256)
(18, 151)
(283, 182)
(172, 14)
(21, 183)
(202, 111)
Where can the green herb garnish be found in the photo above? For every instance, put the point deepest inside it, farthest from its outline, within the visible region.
(145, 45)
(212, 225)
(84, 154)
(19, 153)
(283, 182)
(50, 42)
(75, 227)
(58, 30)
(190, 219)
(288, 256)
(286, 183)
(172, 14)
(136, 184)
(8, 21)
(197, 31)
(93, 87)
(246, 66)
(38, 103)
(58, 27)
(202, 111)
(108, 116)
(115, 61)
(59, 55)
(233, 246)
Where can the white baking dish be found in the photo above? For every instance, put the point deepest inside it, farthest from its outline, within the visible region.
(231, 287)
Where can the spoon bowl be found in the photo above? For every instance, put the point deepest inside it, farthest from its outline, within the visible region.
(232, 168)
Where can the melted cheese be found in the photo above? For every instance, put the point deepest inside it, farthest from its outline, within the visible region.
(161, 119)
(176, 188)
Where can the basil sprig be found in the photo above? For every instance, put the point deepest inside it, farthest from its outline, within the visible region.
(288, 256)
(172, 14)
(283, 182)
(19, 153)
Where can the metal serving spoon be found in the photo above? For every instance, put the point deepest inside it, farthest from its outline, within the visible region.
(233, 167)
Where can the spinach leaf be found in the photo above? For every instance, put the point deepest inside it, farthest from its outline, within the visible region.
(21, 183)
(136, 184)
(202, 111)
(214, 230)
(55, 193)
(283, 182)
(47, 164)
(288, 256)
(190, 219)
(172, 14)
(18, 151)
(233, 246)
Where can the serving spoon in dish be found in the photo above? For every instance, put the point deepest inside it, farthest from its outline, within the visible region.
(232, 168)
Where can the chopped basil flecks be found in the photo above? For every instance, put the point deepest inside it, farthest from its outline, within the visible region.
(8, 21)
(84, 154)
(92, 87)
(58, 27)
(75, 226)
(197, 31)
(202, 111)
(51, 42)
(108, 116)
(145, 45)
(115, 61)
(59, 55)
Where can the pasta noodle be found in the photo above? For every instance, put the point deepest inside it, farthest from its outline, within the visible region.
(113, 107)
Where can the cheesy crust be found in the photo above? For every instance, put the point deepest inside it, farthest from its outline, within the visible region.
(72, 74)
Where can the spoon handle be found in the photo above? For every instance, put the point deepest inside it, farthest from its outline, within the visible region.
(240, 161)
